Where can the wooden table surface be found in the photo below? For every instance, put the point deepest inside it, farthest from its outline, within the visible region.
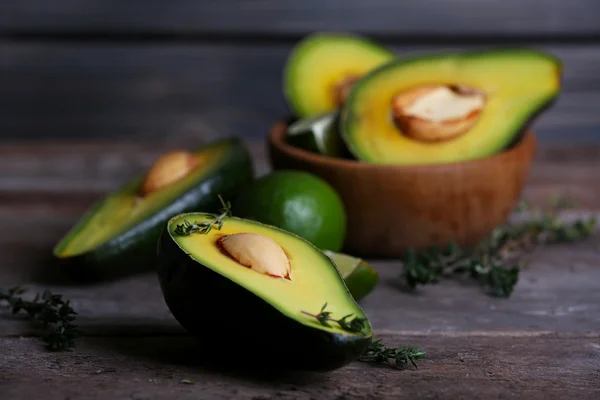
(543, 342)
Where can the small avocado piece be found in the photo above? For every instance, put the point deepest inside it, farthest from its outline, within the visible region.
(259, 287)
(358, 275)
(318, 135)
(118, 235)
(447, 107)
(323, 66)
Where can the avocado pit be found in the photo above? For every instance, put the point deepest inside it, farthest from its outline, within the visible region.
(167, 169)
(257, 252)
(434, 113)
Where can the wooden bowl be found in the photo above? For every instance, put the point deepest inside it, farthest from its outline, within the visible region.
(392, 208)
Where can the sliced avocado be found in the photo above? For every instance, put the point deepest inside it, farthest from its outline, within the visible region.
(317, 134)
(261, 287)
(447, 107)
(358, 275)
(118, 235)
(322, 67)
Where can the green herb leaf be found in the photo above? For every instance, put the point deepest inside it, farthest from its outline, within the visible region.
(54, 313)
(399, 357)
(355, 325)
(497, 260)
(187, 228)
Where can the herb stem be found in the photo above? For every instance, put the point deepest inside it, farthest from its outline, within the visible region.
(355, 325)
(398, 357)
(54, 313)
(187, 228)
(497, 260)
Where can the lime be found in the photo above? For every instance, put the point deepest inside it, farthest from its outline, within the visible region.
(298, 202)
(359, 276)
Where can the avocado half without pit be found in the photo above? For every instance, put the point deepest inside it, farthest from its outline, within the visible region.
(118, 235)
(261, 289)
(447, 107)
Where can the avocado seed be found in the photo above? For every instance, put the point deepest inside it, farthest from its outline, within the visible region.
(341, 89)
(435, 113)
(168, 168)
(257, 252)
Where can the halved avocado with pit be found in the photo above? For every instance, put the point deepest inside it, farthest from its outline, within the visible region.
(323, 66)
(118, 235)
(447, 107)
(262, 288)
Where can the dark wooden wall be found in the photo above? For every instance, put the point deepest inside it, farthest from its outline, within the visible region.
(154, 69)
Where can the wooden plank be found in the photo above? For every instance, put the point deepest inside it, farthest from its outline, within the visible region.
(271, 17)
(197, 92)
(465, 366)
(70, 175)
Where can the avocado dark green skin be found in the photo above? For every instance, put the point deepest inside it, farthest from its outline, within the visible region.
(134, 251)
(230, 321)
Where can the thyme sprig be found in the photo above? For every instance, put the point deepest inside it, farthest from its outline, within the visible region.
(497, 260)
(354, 325)
(55, 314)
(398, 357)
(376, 353)
(187, 228)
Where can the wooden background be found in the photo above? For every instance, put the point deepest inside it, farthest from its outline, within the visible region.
(181, 69)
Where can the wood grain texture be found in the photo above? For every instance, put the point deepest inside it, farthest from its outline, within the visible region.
(393, 208)
(544, 367)
(69, 175)
(190, 91)
(271, 17)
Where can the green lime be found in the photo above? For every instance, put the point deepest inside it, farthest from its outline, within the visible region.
(298, 202)
(359, 276)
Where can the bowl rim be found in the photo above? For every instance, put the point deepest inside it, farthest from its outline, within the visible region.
(524, 145)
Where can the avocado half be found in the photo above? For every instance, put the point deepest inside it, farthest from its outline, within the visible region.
(518, 84)
(216, 298)
(324, 62)
(118, 235)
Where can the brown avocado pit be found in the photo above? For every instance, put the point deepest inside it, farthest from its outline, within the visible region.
(435, 113)
(256, 252)
(170, 167)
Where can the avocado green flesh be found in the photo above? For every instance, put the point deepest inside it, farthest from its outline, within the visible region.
(314, 278)
(318, 135)
(360, 278)
(319, 62)
(518, 85)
